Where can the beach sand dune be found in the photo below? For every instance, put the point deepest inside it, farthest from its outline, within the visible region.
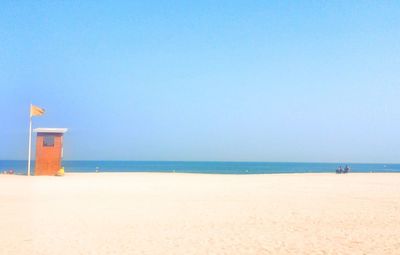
(166, 213)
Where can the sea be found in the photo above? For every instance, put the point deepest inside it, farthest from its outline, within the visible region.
(205, 167)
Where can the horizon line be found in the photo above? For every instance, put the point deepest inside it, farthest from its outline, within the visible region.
(220, 161)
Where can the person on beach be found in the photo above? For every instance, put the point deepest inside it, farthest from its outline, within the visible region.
(346, 169)
(339, 170)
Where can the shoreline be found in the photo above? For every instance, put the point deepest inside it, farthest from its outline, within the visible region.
(210, 174)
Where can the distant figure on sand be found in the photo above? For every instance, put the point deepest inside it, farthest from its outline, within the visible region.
(340, 170)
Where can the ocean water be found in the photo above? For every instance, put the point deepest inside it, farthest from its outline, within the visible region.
(19, 166)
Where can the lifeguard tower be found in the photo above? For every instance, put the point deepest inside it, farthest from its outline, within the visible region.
(49, 150)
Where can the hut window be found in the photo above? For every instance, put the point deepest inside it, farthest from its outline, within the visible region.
(48, 141)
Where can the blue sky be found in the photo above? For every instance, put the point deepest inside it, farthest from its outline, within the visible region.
(204, 80)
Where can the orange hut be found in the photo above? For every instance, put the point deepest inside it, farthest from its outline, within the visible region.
(49, 150)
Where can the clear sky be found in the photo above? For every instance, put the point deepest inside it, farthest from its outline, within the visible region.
(204, 80)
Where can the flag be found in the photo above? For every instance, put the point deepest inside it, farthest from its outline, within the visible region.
(36, 111)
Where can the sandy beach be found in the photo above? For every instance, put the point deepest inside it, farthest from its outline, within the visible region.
(155, 213)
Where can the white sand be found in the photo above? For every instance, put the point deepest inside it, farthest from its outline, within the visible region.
(152, 213)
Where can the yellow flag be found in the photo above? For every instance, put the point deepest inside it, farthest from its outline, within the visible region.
(36, 111)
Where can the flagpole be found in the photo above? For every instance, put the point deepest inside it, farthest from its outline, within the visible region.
(30, 140)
